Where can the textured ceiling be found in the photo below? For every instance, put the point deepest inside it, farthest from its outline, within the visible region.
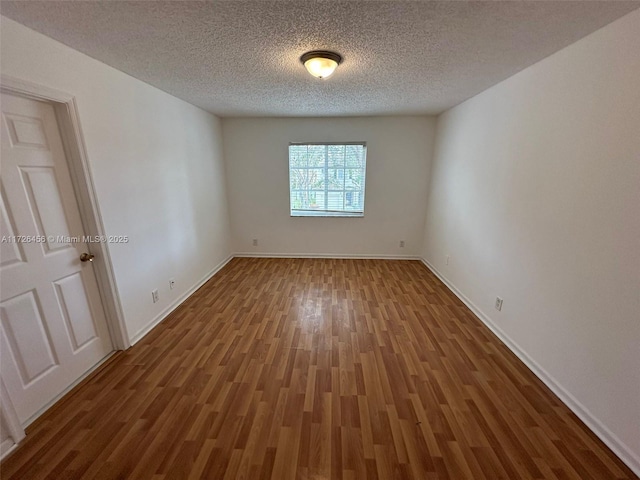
(237, 58)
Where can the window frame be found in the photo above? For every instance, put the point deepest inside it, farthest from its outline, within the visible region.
(327, 190)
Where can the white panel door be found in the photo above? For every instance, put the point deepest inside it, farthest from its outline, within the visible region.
(53, 327)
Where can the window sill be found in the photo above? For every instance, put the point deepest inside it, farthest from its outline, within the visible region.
(328, 214)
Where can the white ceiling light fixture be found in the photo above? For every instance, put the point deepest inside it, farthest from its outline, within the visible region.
(321, 63)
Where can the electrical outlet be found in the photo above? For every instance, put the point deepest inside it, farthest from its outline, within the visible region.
(446, 261)
(172, 283)
(401, 243)
(498, 303)
(255, 242)
(154, 296)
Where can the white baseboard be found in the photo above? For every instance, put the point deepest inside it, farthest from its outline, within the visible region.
(327, 255)
(162, 315)
(7, 448)
(618, 447)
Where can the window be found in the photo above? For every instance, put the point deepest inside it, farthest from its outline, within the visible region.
(327, 180)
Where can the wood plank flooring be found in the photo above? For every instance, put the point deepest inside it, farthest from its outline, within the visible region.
(315, 369)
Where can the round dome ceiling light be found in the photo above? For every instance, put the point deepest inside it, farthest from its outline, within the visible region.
(321, 63)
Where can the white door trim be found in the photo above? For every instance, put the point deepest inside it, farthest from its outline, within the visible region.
(66, 110)
(16, 432)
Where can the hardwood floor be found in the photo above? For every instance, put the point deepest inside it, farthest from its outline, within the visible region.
(315, 369)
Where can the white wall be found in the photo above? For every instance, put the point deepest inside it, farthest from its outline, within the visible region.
(398, 161)
(535, 195)
(157, 167)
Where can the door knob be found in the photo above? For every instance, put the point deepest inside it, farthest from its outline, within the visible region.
(87, 257)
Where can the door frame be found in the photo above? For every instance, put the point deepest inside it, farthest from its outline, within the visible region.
(66, 109)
